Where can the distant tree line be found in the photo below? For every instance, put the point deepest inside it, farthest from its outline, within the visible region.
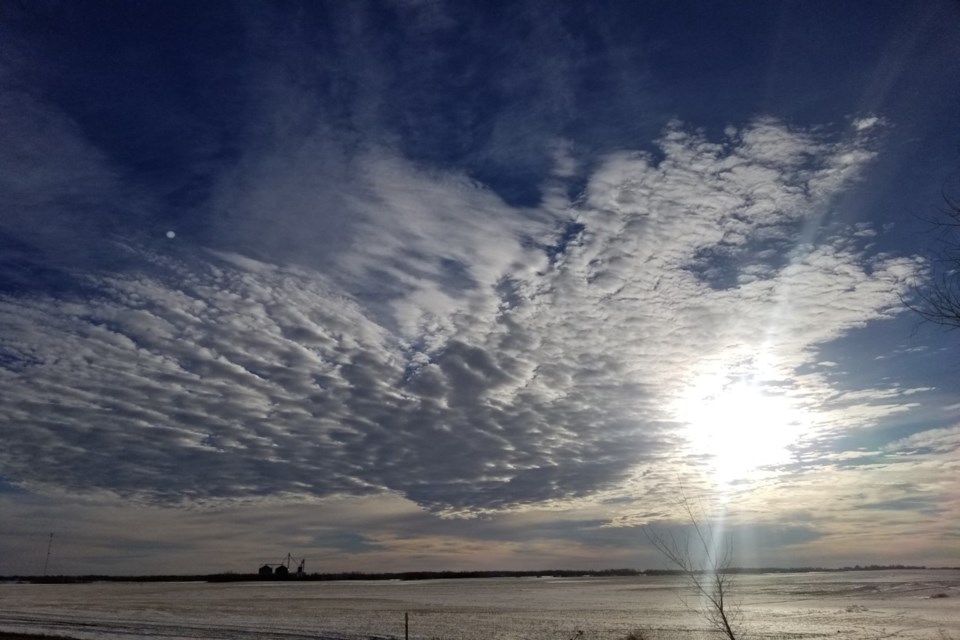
(448, 575)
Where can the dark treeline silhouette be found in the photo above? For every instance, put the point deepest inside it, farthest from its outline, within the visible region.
(346, 575)
(444, 575)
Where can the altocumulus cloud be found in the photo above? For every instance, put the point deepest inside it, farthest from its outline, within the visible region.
(450, 348)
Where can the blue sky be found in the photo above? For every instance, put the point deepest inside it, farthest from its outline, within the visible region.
(426, 285)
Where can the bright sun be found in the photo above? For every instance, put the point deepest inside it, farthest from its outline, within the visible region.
(738, 425)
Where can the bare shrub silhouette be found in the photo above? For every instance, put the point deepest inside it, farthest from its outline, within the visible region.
(705, 561)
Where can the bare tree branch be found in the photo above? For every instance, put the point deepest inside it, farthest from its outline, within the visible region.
(939, 300)
(704, 565)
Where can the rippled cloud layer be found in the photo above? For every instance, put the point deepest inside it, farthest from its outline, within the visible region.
(448, 347)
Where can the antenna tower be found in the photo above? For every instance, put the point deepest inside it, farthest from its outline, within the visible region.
(46, 563)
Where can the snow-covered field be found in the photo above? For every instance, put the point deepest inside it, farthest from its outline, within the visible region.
(851, 606)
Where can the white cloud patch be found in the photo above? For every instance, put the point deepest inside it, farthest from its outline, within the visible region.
(931, 441)
(445, 346)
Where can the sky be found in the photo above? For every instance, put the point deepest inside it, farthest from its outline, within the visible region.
(423, 285)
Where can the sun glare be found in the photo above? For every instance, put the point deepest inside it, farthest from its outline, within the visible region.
(740, 426)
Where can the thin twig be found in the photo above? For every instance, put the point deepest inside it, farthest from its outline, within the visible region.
(710, 577)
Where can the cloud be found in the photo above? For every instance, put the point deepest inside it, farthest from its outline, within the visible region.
(931, 441)
(53, 183)
(443, 345)
(65, 201)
